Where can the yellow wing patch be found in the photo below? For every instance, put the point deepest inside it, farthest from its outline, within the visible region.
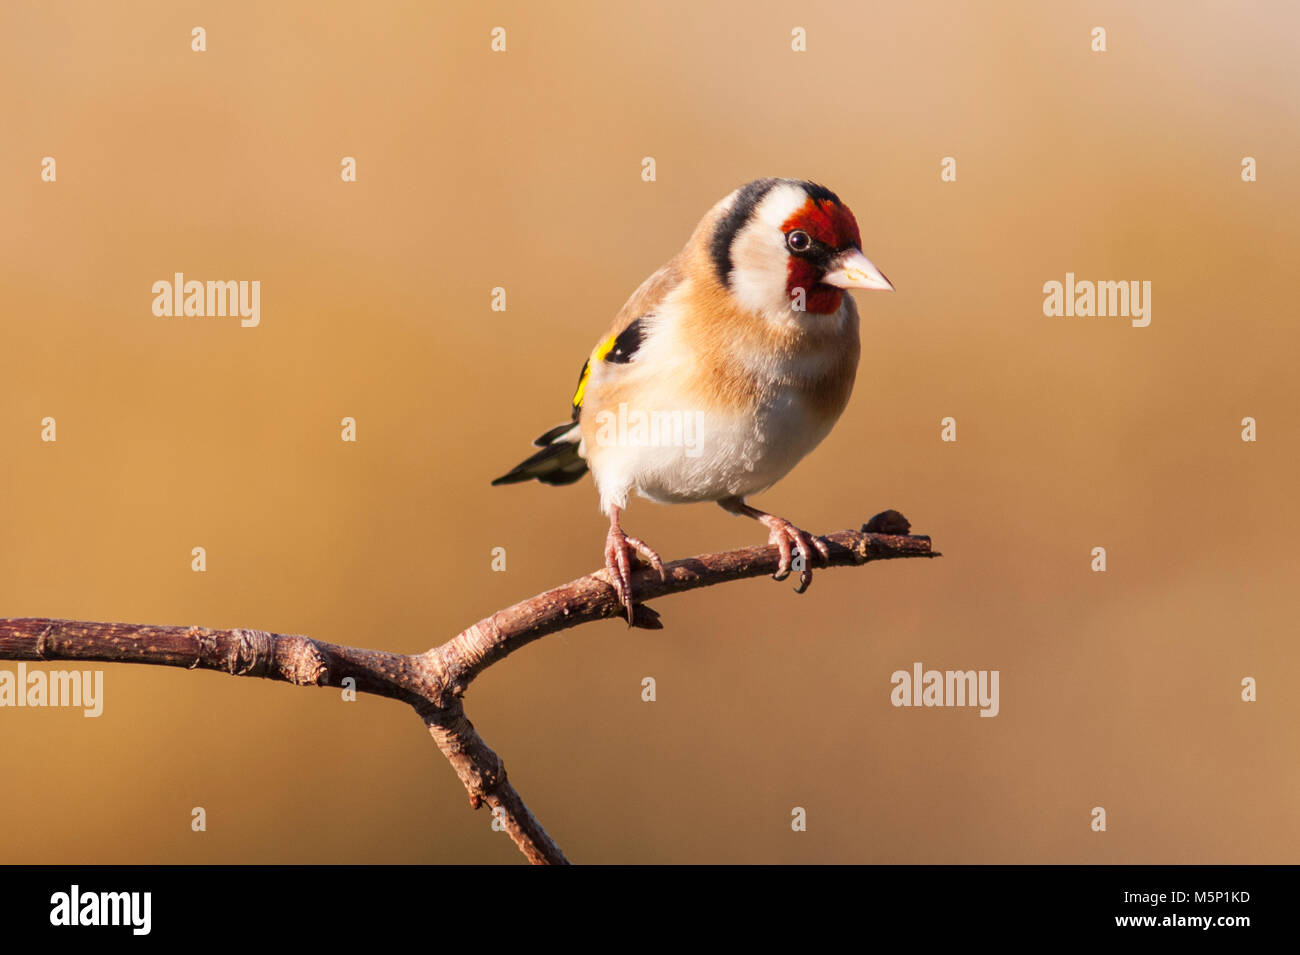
(599, 354)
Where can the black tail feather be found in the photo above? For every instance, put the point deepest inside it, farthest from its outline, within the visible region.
(542, 440)
(557, 463)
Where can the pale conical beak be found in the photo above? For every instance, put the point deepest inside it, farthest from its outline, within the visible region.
(854, 270)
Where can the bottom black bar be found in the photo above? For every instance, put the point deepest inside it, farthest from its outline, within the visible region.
(304, 903)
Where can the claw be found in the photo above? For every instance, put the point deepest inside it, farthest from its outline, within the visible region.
(620, 551)
(646, 552)
(787, 537)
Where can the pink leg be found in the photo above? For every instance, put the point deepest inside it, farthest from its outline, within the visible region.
(620, 550)
(783, 534)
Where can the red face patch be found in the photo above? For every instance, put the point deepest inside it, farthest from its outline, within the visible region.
(834, 227)
(827, 222)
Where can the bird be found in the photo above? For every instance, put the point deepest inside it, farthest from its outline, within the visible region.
(721, 372)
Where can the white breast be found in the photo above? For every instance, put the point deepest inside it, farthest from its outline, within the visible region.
(675, 453)
(668, 450)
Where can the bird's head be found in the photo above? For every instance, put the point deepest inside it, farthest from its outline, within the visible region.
(781, 243)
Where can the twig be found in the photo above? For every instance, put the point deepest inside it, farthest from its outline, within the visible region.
(434, 682)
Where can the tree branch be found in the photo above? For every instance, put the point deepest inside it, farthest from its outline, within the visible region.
(434, 682)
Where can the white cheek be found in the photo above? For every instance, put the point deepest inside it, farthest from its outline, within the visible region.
(760, 261)
(759, 283)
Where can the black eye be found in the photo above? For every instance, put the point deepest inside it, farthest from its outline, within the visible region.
(798, 240)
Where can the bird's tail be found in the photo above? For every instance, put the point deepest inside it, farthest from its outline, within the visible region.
(557, 463)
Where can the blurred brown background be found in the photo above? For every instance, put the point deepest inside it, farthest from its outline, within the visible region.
(522, 170)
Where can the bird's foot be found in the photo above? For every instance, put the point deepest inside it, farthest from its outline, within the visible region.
(786, 537)
(620, 553)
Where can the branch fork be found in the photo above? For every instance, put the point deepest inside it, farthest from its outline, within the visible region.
(434, 682)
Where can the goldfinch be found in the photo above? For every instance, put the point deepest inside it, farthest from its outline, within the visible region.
(722, 371)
